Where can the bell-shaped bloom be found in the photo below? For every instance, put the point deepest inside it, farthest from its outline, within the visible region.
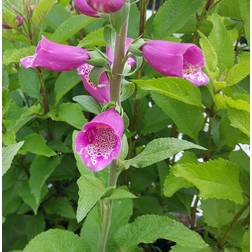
(110, 53)
(176, 59)
(106, 6)
(99, 141)
(100, 92)
(83, 7)
(56, 57)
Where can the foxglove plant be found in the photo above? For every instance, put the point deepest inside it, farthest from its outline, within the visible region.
(176, 59)
(55, 57)
(99, 142)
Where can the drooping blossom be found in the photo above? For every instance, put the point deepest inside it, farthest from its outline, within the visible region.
(99, 141)
(100, 92)
(55, 57)
(83, 7)
(106, 6)
(110, 53)
(176, 59)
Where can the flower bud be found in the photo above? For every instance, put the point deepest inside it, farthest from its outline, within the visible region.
(99, 142)
(106, 6)
(19, 20)
(176, 59)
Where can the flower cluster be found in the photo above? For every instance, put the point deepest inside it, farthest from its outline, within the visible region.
(99, 141)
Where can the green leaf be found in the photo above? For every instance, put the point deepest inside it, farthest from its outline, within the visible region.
(148, 228)
(218, 213)
(238, 72)
(60, 206)
(160, 149)
(41, 169)
(189, 119)
(36, 144)
(120, 193)
(246, 242)
(245, 14)
(88, 103)
(70, 27)
(173, 15)
(218, 179)
(70, 113)
(175, 88)
(178, 248)
(91, 190)
(93, 39)
(8, 153)
(64, 83)
(29, 82)
(209, 53)
(41, 10)
(222, 43)
(14, 55)
(127, 90)
(55, 240)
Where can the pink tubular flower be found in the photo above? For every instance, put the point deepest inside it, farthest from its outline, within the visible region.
(100, 92)
(110, 53)
(106, 6)
(99, 141)
(176, 59)
(83, 7)
(55, 57)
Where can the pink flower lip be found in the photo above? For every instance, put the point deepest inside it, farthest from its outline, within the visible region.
(99, 142)
(85, 8)
(106, 6)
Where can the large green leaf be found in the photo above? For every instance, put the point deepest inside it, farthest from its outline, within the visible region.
(36, 144)
(222, 43)
(70, 113)
(218, 179)
(173, 15)
(55, 240)
(42, 10)
(188, 119)
(160, 149)
(149, 228)
(91, 190)
(8, 154)
(175, 88)
(64, 83)
(70, 27)
(245, 14)
(29, 82)
(41, 169)
(14, 55)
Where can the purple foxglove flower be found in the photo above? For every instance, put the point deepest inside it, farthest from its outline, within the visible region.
(106, 6)
(83, 7)
(100, 92)
(176, 59)
(110, 53)
(55, 57)
(99, 141)
(19, 20)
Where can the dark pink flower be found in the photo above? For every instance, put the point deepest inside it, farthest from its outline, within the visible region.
(56, 57)
(110, 53)
(19, 20)
(106, 6)
(100, 92)
(99, 142)
(83, 7)
(176, 59)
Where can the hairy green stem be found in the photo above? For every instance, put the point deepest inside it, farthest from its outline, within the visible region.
(115, 89)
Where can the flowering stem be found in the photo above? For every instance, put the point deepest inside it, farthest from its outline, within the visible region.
(115, 89)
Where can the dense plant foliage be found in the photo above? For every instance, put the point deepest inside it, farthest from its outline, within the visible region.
(167, 166)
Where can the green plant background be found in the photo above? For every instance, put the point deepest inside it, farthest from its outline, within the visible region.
(52, 200)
